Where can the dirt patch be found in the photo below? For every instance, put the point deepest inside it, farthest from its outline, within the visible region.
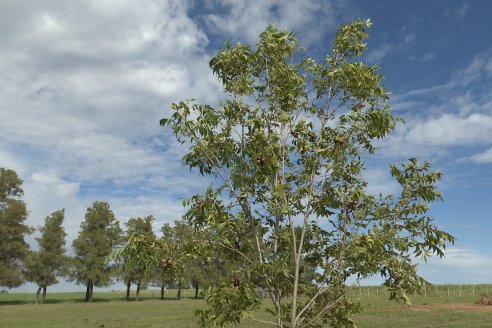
(455, 307)
(485, 300)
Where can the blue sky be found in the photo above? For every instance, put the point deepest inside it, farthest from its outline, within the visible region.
(85, 82)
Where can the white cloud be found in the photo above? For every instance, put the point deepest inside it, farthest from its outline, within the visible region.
(463, 10)
(380, 181)
(410, 39)
(427, 56)
(450, 129)
(483, 158)
(460, 265)
(385, 49)
(378, 54)
(245, 19)
(84, 84)
(478, 68)
(446, 115)
(432, 137)
(51, 183)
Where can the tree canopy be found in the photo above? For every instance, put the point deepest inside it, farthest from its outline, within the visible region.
(100, 233)
(287, 149)
(13, 212)
(135, 272)
(49, 262)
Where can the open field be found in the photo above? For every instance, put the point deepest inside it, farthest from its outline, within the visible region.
(110, 311)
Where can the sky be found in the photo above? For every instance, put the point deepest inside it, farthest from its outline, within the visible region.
(84, 83)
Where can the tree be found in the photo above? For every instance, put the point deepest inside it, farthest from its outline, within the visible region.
(49, 262)
(286, 149)
(160, 260)
(178, 242)
(157, 259)
(198, 263)
(99, 234)
(161, 278)
(136, 273)
(13, 249)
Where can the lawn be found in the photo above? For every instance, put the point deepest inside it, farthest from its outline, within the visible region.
(110, 311)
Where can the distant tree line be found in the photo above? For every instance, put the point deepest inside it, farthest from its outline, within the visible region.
(101, 253)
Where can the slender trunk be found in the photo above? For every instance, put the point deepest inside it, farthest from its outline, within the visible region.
(293, 318)
(196, 291)
(44, 294)
(91, 290)
(37, 294)
(162, 292)
(178, 296)
(128, 286)
(137, 294)
(87, 290)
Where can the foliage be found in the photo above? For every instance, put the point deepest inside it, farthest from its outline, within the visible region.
(99, 234)
(287, 149)
(179, 243)
(49, 261)
(132, 270)
(13, 249)
(195, 262)
(175, 259)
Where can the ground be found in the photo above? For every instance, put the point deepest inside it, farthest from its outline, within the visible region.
(110, 311)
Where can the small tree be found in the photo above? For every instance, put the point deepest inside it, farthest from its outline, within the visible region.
(178, 241)
(13, 249)
(161, 278)
(99, 234)
(49, 262)
(287, 150)
(131, 272)
(157, 258)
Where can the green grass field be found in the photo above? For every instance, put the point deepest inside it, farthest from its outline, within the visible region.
(110, 311)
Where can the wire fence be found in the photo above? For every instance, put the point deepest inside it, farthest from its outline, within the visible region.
(427, 291)
(454, 290)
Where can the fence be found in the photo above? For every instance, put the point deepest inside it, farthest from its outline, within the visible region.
(427, 291)
(372, 291)
(168, 293)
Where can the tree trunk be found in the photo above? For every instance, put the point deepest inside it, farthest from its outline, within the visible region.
(196, 291)
(178, 295)
(162, 292)
(37, 294)
(128, 286)
(44, 294)
(89, 291)
(137, 294)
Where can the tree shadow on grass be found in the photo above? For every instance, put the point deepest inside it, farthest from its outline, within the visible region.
(95, 300)
(15, 302)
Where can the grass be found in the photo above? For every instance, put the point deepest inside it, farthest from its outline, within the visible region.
(425, 312)
(110, 311)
